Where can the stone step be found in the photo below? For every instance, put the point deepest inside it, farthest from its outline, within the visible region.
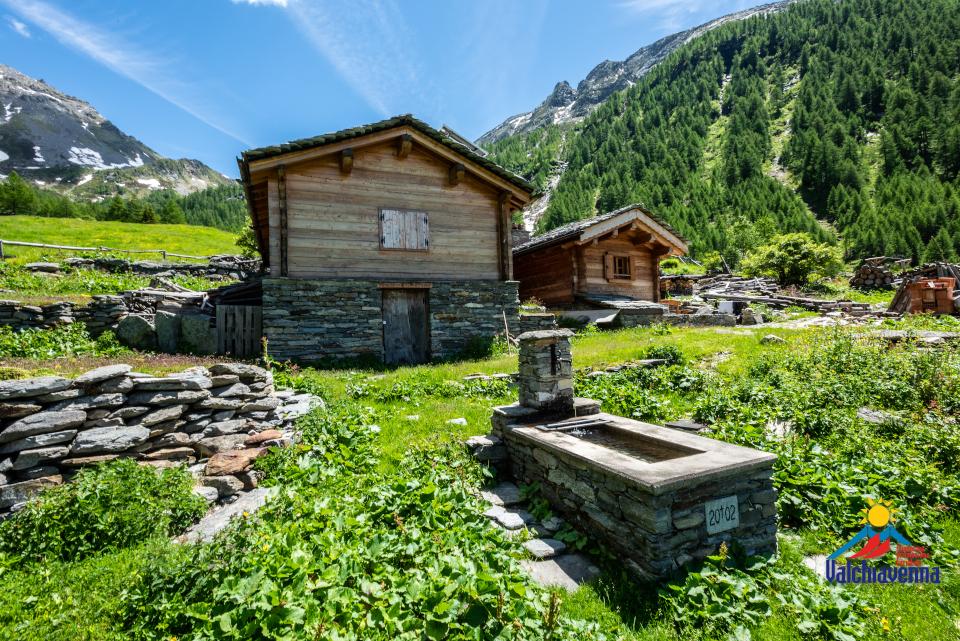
(544, 548)
(567, 571)
(505, 494)
(219, 518)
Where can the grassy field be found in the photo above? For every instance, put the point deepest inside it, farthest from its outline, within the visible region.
(725, 376)
(180, 239)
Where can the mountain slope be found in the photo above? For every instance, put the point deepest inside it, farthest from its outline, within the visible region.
(566, 104)
(60, 141)
(828, 115)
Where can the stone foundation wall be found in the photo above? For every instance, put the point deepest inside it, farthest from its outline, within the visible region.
(655, 535)
(225, 416)
(314, 320)
(536, 322)
(223, 266)
(101, 314)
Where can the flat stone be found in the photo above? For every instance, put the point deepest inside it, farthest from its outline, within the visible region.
(237, 389)
(224, 379)
(49, 268)
(38, 440)
(567, 571)
(260, 437)
(772, 339)
(32, 458)
(130, 411)
(18, 410)
(544, 548)
(185, 397)
(218, 519)
(243, 370)
(693, 519)
(232, 462)
(514, 519)
(261, 405)
(213, 444)
(43, 422)
(19, 492)
(174, 383)
(173, 439)
(101, 374)
(109, 439)
(30, 387)
(171, 453)
(118, 385)
(686, 425)
(226, 427)
(503, 494)
(90, 402)
(550, 525)
(161, 415)
(82, 461)
(457, 421)
(876, 417)
(225, 485)
(38, 472)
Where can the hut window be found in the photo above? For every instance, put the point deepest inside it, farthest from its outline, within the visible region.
(621, 267)
(404, 229)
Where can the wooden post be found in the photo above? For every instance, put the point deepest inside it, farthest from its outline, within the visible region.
(457, 171)
(404, 146)
(2, 257)
(163, 252)
(506, 244)
(282, 198)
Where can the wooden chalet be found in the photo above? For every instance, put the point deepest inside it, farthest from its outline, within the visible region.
(615, 254)
(390, 240)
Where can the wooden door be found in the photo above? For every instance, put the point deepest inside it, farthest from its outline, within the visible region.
(406, 331)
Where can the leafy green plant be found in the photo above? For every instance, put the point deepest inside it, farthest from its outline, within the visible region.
(67, 340)
(106, 507)
(793, 259)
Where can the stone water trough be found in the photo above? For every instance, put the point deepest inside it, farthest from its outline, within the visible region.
(657, 497)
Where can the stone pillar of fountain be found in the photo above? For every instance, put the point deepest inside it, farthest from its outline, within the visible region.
(546, 371)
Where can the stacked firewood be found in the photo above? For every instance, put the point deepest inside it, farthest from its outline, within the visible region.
(873, 277)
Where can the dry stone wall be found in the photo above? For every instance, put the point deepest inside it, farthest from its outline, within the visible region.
(101, 314)
(218, 420)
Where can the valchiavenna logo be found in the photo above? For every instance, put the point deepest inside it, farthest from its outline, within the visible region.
(879, 532)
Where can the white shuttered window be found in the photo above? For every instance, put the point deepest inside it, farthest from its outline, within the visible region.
(404, 229)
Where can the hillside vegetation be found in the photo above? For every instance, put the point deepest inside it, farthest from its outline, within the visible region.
(222, 206)
(831, 115)
(181, 239)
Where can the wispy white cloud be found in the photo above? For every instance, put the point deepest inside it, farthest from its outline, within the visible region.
(149, 70)
(367, 42)
(674, 15)
(276, 3)
(18, 26)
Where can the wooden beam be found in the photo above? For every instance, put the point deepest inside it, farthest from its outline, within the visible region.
(346, 161)
(282, 194)
(457, 171)
(615, 233)
(404, 145)
(505, 233)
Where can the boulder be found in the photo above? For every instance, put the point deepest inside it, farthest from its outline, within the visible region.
(232, 462)
(772, 339)
(196, 335)
(749, 316)
(109, 439)
(31, 387)
(41, 423)
(102, 374)
(32, 458)
(137, 332)
(168, 331)
(17, 410)
(38, 440)
(20, 492)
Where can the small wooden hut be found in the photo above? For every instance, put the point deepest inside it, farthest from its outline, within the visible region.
(615, 254)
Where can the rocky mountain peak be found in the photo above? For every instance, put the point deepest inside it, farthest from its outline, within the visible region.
(563, 94)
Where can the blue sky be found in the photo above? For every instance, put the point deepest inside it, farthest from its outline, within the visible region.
(208, 78)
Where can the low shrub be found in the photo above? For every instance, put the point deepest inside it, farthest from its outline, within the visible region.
(106, 507)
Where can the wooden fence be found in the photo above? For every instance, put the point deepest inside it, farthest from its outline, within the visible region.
(239, 330)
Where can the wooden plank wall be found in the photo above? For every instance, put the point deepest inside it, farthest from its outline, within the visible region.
(333, 218)
(546, 275)
(643, 286)
(239, 328)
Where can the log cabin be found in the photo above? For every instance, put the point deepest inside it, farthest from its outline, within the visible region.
(616, 254)
(390, 241)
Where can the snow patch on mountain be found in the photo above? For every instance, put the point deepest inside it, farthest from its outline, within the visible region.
(152, 183)
(3, 156)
